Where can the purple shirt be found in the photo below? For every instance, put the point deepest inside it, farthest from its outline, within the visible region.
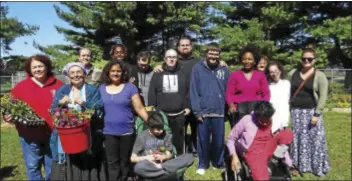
(118, 118)
(243, 134)
(239, 89)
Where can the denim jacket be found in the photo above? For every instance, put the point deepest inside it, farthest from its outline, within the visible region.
(92, 101)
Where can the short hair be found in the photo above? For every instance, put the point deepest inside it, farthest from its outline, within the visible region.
(184, 38)
(310, 50)
(156, 120)
(145, 55)
(279, 66)
(124, 48)
(264, 109)
(81, 49)
(254, 50)
(213, 47)
(106, 70)
(170, 49)
(41, 58)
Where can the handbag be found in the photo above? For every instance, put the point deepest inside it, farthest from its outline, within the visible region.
(301, 85)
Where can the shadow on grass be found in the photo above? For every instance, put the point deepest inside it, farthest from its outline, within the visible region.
(7, 172)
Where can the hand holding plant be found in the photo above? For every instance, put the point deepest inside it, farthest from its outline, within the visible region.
(20, 111)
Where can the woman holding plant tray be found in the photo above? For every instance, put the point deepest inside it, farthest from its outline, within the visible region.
(37, 91)
(77, 106)
(120, 98)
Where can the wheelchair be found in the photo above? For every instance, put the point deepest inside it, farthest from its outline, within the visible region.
(276, 167)
(140, 126)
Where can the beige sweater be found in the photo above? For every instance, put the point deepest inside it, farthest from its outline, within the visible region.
(320, 87)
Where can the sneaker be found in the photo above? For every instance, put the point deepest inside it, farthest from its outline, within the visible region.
(200, 171)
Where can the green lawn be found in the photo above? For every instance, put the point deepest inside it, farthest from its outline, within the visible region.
(338, 129)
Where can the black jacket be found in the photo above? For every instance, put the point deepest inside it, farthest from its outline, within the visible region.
(169, 90)
(187, 63)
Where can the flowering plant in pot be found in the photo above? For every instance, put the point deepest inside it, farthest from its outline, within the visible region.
(70, 118)
(21, 112)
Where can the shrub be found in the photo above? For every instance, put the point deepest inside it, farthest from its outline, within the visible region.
(339, 100)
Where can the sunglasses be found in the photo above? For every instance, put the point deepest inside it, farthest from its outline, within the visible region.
(307, 59)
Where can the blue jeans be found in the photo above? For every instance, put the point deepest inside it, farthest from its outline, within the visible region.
(214, 127)
(36, 154)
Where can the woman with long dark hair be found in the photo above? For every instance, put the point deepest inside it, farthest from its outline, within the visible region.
(119, 98)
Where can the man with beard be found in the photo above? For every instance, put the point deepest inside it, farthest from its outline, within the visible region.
(169, 92)
(143, 74)
(187, 61)
(207, 93)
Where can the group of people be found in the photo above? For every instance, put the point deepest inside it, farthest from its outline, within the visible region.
(189, 90)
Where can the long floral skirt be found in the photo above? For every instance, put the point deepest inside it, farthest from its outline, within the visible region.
(309, 148)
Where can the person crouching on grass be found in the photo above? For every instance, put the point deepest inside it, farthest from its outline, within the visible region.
(152, 151)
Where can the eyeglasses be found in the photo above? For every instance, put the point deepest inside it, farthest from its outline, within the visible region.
(274, 73)
(307, 59)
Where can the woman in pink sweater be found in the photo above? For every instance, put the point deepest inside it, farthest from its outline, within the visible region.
(246, 86)
(253, 137)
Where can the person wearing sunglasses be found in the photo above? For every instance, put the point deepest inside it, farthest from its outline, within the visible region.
(309, 89)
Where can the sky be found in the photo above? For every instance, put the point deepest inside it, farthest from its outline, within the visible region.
(36, 13)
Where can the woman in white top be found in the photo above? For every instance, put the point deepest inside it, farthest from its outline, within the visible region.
(280, 95)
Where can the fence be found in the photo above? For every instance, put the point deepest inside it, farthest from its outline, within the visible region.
(338, 78)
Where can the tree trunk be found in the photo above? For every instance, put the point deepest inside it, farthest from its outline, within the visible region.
(346, 62)
(348, 80)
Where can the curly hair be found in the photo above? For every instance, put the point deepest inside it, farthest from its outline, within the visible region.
(122, 46)
(41, 58)
(106, 70)
(254, 50)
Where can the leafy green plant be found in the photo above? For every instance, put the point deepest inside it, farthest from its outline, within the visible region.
(20, 111)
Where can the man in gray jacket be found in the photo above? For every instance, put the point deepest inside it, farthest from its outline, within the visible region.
(142, 74)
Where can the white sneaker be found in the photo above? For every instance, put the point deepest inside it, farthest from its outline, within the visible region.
(200, 171)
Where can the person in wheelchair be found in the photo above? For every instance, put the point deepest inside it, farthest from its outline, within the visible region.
(153, 151)
(252, 136)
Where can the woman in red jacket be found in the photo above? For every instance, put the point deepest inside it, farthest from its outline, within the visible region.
(37, 90)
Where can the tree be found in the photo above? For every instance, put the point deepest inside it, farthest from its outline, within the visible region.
(11, 64)
(11, 28)
(141, 25)
(280, 29)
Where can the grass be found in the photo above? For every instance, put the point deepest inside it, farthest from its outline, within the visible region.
(337, 125)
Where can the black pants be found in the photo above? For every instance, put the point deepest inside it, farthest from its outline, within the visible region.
(192, 143)
(176, 124)
(118, 153)
(244, 108)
